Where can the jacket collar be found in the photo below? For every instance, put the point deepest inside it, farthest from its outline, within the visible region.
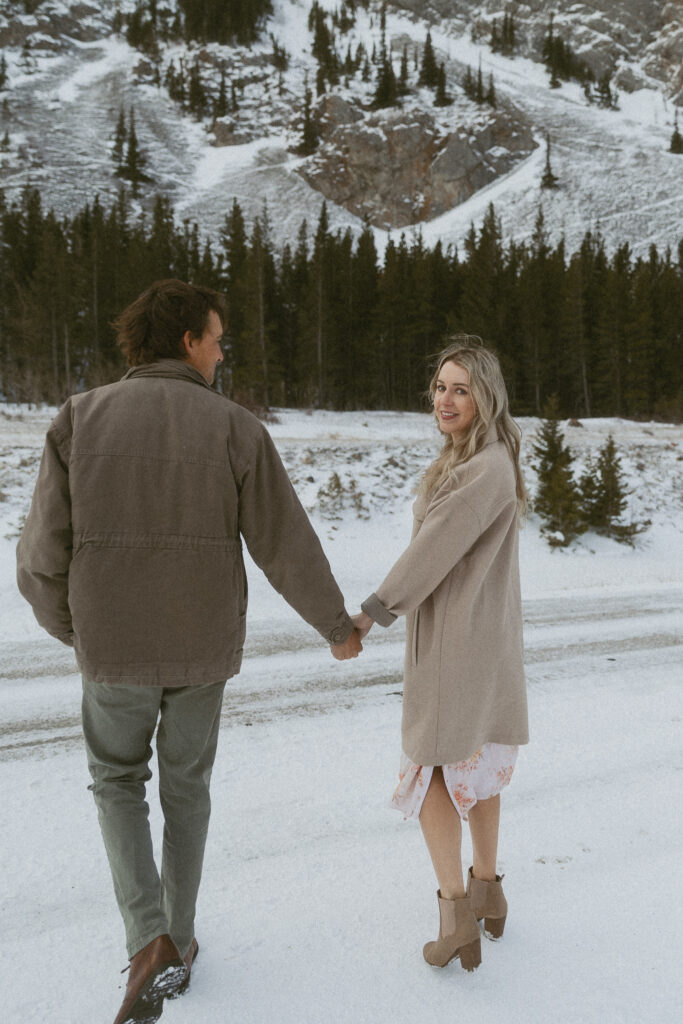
(171, 369)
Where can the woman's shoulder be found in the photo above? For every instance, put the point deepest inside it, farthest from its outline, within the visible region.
(489, 476)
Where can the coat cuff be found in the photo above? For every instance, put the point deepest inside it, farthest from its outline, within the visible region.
(340, 634)
(376, 610)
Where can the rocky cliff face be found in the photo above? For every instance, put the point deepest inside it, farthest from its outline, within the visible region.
(607, 34)
(399, 167)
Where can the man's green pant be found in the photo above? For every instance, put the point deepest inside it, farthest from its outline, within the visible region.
(118, 725)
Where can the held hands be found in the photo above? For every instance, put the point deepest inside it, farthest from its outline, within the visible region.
(351, 647)
(363, 623)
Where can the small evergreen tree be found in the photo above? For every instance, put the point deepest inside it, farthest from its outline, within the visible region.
(606, 97)
(3, 72)
(403, 76)
(119, 140)
(479, 89)
(604, 496)
(309, 135)
(220, 107)
(386, 93)
(429, 72)
(557, 499)
(442, 99)
(676, 138)
(468, 84)
(132, 168)
(508, 37)
(491, 93)
(549, 180)
(196, 93)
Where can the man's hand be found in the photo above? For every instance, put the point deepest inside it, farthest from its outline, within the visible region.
(351, 647)
(363, 624)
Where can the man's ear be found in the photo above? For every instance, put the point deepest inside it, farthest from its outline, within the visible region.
(188, 341)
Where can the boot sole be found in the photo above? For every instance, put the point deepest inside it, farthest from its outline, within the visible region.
(493, 927)
(161, 984)
(469, 956)
(186, 983)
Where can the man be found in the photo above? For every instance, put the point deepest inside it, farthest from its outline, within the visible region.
(131, 553)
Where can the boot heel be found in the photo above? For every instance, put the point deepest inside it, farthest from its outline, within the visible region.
(493, 926)
(470, 955)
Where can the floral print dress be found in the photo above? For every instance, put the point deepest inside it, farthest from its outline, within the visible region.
(481, 776)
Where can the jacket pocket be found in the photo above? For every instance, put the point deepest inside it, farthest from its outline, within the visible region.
(416, 624)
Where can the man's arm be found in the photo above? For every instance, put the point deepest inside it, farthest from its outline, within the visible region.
(45, 546)
(284, 545)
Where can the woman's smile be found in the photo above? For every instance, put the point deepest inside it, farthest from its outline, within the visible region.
(453, 402)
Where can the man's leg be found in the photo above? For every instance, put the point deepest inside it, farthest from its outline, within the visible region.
(118, 724)
(186, 749)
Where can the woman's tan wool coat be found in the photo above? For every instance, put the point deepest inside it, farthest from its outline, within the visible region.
(458, 585)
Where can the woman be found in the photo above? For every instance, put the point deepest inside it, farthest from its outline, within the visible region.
(464, 698)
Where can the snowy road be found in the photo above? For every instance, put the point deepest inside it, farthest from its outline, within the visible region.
(284, 674)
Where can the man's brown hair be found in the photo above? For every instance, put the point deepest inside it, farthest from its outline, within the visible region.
(153, 326)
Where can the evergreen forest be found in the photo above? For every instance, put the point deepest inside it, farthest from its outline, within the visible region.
(323, 321)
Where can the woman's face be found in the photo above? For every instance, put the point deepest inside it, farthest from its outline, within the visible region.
(453, 403)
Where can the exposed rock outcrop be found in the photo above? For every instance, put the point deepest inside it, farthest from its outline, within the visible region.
(399, 167)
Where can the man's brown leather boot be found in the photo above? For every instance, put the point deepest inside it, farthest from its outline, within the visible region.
(190, 958)
(155, 972)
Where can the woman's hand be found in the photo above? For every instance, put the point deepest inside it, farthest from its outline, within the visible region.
(363, 623)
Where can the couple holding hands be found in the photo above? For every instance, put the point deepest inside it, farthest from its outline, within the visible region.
(132, 554)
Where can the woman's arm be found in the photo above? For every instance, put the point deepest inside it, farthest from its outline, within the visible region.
(453, 524)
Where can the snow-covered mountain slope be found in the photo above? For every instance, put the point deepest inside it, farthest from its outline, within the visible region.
(64, 93)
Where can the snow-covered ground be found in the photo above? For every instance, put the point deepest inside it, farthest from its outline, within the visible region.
(316, 897)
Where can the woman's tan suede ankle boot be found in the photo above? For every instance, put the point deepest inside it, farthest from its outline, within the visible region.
(459, 935)
(488, 902)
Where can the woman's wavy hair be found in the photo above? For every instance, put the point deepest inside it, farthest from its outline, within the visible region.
(152, 327)
(489, 394)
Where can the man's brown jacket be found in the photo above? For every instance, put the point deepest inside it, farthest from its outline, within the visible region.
(132, 552)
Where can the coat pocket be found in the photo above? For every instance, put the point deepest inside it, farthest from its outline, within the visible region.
(416, 626)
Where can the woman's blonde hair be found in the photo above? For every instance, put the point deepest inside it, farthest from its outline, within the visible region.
(489, 394)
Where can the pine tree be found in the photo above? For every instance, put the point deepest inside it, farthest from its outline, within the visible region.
(403, 76)
(491, 93)
(606, 97)
(119, 140)
(309, 136)
(386, 93)
(220, 107)
(429, 72)
(604, 495)
(479, 89)
(442, 99)
(132, 168)
(557, 499)
(676, 145)
(468, 84)
(3, 72)
(508, 36)
(549, 180)
(196, 98)
(495, 42)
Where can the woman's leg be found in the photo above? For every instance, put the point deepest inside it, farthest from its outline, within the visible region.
(484, 819)
(442, 831)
